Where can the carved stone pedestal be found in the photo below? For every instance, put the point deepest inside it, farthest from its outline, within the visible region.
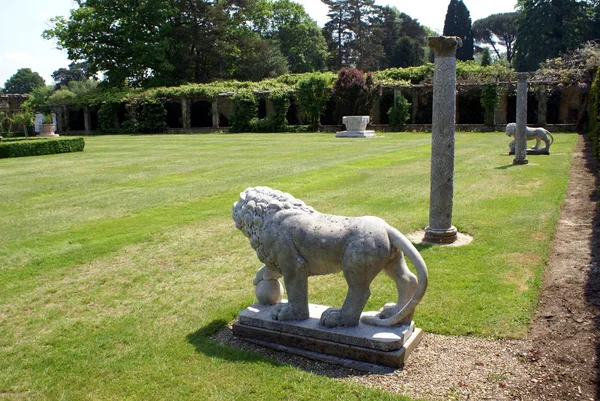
(47, 130)
(364, 347)
(356, 127)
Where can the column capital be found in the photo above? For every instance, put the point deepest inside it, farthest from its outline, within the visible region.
(444, 46)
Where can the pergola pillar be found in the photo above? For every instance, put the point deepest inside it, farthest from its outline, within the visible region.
(521, 135)
(186, 118)
(215, 112)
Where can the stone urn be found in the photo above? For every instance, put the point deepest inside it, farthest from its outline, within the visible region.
(47, 130)
(356, 127)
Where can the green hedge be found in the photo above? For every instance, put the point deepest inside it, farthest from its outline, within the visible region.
(40, 147)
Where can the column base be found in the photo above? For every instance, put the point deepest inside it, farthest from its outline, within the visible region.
(520, 161)
(440, 236)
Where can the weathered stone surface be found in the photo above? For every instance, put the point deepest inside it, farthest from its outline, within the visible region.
(363, 335)
(295, 241)
(356, 127)
(539, 134)
(520, 143)
(440, 228)
(47, 130)
(329, 350)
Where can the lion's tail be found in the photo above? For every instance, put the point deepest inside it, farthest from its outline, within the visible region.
(399, 241)
(551, 137)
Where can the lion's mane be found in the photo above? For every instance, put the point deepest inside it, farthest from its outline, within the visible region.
(257, 206)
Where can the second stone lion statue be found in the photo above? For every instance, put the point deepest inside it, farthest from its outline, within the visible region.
(295, 241)
(539, 134)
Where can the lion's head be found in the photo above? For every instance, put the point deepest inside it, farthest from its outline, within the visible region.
(511, 129)
(258, 204)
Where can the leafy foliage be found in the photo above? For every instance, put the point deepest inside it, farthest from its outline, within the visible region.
(403, 39)
(281, 103)
(106, 118)
(152, 117)
(245, 108)
(6, 123)
(547, 28)
(38, 100)
(40, 147)
(575, 67)
(458, 23)
(26, 118)
(354, 94)
(24, 81)
(75, 72)
(399, 113)
(497, 29)
(352, 34)
(486, 59)
(151, 43)
(489, 102)
(313, 93)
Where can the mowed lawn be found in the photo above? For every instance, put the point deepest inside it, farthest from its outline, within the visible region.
(119, 262)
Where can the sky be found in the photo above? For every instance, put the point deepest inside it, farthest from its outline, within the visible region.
(21, 44)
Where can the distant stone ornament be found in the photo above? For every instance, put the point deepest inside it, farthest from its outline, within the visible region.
(539, 134)
(356, 127)
(295, 241)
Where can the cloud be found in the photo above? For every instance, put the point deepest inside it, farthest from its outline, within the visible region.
(10, 59)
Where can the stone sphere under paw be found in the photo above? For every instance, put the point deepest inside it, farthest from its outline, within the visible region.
(269, 292)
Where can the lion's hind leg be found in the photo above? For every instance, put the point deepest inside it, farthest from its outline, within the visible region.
(359, 274)
(406, 284)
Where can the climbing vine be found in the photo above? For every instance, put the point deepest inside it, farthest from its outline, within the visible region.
(489, 102)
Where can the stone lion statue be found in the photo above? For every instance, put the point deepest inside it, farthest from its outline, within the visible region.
(539, 134)
(295, 241)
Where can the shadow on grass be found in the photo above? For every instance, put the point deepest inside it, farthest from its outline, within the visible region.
(216, 340)
(204, 344)
(505, 167)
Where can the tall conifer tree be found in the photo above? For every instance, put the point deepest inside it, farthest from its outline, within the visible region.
(458, 23)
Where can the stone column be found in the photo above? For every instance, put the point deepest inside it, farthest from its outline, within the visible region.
(440, 229)
(415, 106)
(215, 112)
(59, 119)
(521, 137)
(375, 113)
(185, 113)
(87, 120)
(501, 109)
(542, 98)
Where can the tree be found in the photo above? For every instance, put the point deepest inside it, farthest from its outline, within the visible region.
(548, 28)
(75, 72)
(403, 39)
(458, 23)
(338, 33)
(127, 41)
(299, 37)
(352, 34)
(354, 93)
(313, 94)
(486, 59)
(497, 29)
(23, 81)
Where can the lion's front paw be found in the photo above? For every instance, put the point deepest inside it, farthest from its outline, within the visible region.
(288, 312)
